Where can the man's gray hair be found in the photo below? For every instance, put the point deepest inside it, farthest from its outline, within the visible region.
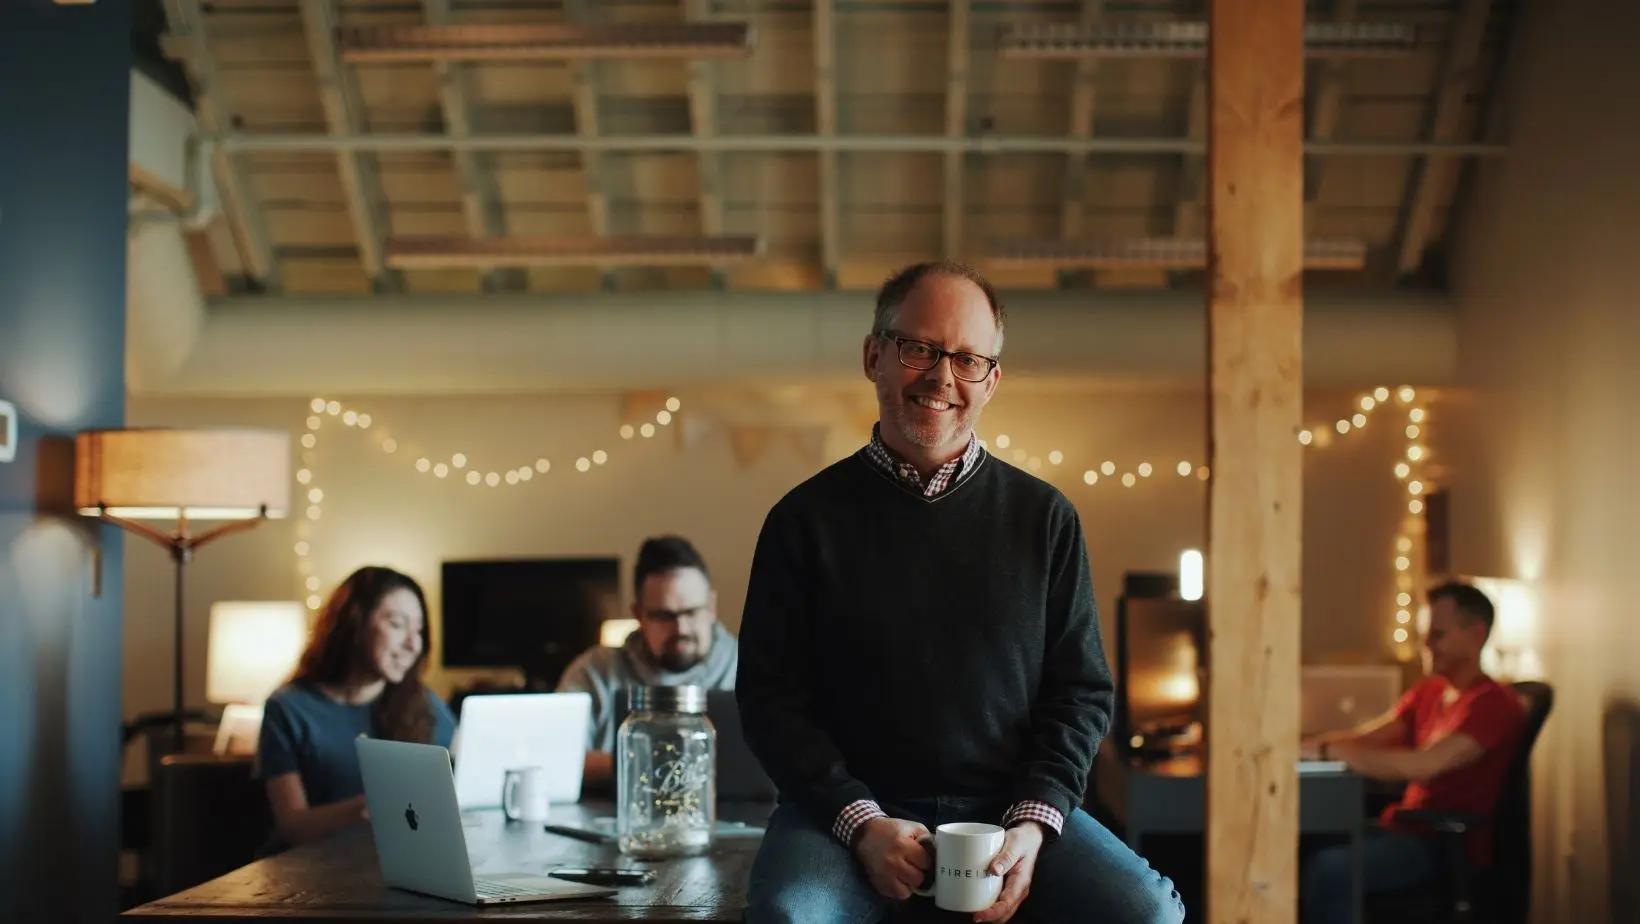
(899, 286)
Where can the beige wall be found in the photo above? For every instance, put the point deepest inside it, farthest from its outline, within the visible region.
(1542, 452)
(377, 509)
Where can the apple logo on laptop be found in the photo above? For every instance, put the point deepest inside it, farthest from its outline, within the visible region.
(410, 816)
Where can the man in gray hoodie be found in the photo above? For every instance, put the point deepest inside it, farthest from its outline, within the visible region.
(678, 641)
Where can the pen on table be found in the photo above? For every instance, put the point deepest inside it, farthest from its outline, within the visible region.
(580, 834)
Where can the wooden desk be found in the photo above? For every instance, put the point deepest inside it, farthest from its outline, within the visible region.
(1170, 797)
(339, 878)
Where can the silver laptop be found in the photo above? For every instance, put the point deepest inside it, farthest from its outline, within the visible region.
(498, 733)
(1340, 697)
(419, 839)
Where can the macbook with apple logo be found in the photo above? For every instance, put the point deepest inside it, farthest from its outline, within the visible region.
(420, 843)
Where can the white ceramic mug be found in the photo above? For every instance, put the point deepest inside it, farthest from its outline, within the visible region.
(524, 794)
(962, 851)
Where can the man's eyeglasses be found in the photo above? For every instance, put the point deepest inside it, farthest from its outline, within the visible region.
(673, 615)
(923, 356)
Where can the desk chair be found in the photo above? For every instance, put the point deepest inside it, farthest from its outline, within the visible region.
(1502, 892)
(210, 816)
(138, 808)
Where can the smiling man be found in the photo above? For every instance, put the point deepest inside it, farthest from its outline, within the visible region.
(678, 642)
(920, 646)
(1451, 738)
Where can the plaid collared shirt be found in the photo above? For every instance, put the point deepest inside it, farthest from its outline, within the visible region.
(944, 477)
(857, 813)
(854, 816)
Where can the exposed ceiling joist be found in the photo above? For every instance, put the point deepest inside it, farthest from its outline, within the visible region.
(956, 126)
(344, 114)
(1084, 100)
(1063, 42)
(480, 199)
(703, 122)
(1326, 111)
(1157, 253)
(1457, 73)
(1084, 96)
(822, 142)
(1192, 167)
(584, 83)
(569, 250)
(575, 41)
(825, 115)
(245, 218)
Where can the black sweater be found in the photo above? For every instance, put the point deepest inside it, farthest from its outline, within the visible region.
(897, 646)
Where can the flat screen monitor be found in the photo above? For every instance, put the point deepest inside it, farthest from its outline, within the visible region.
(1161, 667)
(536, 614)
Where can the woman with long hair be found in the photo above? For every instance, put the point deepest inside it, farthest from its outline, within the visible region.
(360, 675)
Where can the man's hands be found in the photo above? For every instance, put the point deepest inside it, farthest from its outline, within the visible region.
(1016, 863)
(894, 861)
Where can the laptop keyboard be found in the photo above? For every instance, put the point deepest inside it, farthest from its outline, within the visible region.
(489, 888)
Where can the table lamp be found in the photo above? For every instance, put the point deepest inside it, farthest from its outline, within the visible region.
(1511, 652)
(612, 633)
(132, 476)
(252, 648)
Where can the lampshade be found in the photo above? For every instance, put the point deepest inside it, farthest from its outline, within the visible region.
(253, 648)
(1511, 652)
(159, 474)
(612, 633)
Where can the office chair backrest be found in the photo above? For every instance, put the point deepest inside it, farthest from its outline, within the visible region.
(1512, 818)
(210, 815)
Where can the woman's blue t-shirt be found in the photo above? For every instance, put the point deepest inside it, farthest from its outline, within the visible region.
(308, 733)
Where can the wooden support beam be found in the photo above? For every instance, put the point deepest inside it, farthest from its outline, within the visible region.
(956, 126)
(1084, 97)
(480, 198)
(584, 89)
(703, 122)
(825, 117)
(344, 115)
(1326, 111)
(1255, 355)
(250, 230)
(1431, 173)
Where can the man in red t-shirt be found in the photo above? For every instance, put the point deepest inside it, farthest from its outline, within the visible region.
(1450, 738)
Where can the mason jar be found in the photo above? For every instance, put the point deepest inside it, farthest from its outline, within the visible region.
(666, 774)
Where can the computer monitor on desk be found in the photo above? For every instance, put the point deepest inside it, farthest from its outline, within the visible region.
(1161, 667)
(535, 614)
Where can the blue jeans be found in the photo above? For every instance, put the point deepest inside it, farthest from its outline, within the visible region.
(1390, 860)
(804, 874)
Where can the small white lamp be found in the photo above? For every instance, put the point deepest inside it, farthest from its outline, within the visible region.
(612, 633)
(1511, 653)
(252, 649)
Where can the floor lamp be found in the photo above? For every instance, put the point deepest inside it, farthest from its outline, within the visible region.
(237, 477)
